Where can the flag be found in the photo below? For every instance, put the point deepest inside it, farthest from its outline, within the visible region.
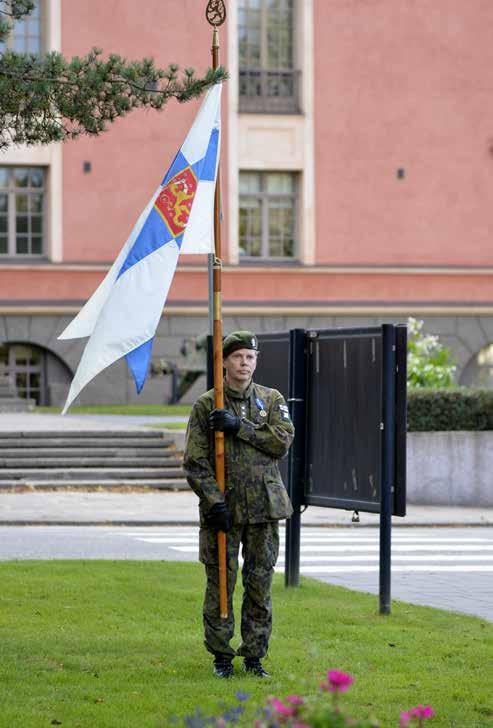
(122, 315)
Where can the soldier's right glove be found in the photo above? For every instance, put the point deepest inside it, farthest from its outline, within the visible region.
(219, 517)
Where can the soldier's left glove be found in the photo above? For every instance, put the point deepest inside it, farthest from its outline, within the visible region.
(224, 421)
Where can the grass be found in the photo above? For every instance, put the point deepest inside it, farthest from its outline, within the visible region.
(169, 410)
(119, 644)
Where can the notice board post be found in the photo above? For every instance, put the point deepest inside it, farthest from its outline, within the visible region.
(388, 461)
(296, 457)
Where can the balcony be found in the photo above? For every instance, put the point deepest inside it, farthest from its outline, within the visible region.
(269, 91)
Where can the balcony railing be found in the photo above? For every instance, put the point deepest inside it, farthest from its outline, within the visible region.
(269, 91)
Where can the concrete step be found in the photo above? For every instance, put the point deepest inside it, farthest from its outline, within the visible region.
(90, 473)
(60, 452)
(101, 483)
(16, 405)
(100, 442)
(85, 462)
(86, 434)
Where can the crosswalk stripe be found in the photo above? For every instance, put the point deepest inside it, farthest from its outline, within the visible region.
(308, 543)
(193, 535)
(399, 557)
(365, 548)
(466, 568)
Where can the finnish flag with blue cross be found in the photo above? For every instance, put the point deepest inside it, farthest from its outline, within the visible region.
(122, 315)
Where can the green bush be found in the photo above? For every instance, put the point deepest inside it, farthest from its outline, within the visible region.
(429, 363)
(431, 410)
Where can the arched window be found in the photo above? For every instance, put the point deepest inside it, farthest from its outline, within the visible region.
(37, 373)
(479, 371)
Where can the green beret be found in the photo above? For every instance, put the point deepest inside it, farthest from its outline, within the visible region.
(239, 340)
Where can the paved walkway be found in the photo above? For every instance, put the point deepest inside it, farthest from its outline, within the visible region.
(16, 422)
(171, 508)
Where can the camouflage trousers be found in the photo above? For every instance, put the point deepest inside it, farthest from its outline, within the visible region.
(260, 549)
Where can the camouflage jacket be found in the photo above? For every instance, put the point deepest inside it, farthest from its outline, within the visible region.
(254, 492)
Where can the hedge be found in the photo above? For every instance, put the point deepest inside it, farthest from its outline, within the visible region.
(431, 410)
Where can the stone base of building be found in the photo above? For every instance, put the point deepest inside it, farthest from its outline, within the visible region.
(464, 335)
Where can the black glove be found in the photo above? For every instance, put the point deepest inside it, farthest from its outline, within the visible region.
(224, 420)
(219, 517)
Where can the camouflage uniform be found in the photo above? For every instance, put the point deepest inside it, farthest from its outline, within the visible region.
(257, 500)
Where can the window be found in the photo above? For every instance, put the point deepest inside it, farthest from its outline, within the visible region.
(479, 371)
(268, 81)
(22, 193)
(26, 34)
(268, 204)
(25, 364)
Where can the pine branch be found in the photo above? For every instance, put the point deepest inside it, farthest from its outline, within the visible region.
(48, 99)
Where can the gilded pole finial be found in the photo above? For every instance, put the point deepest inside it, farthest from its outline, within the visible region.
(215, 12)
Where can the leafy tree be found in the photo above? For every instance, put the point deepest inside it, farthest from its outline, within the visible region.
(50, 98)
(429, 363)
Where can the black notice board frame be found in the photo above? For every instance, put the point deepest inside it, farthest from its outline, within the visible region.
(352, 502)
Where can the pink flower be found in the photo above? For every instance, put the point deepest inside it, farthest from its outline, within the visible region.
(404, 720)
(301, 725)
(285, 711)
(422, 711)
(338, 682)
(295, 700)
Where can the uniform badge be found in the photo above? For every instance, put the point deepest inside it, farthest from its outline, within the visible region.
(260, 404)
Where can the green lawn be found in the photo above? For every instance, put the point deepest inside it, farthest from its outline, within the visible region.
(97, 644)
(181, 410)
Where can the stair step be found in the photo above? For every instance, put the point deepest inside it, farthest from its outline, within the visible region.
(100, 442)
(85, 434)
(102, 483)
(64, 453)
(85, 462)
(92, 474)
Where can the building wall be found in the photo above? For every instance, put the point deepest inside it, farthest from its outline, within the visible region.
(386, 86)
(404, 85)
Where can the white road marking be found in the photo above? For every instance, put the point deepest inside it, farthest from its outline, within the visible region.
(366, 548)
(467, 568)
(399, 557)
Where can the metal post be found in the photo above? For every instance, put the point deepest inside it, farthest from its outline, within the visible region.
(296, 461)
(388, 462)
(210, 362)
(210, 280)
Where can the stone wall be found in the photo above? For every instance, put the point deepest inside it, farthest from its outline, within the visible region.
(450, 468)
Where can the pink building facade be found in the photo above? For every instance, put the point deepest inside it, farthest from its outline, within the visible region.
(357, 168)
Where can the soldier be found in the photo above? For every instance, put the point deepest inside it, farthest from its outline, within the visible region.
(258, 432)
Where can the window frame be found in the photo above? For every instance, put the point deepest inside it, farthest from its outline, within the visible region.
(11, 191)
(264, 197)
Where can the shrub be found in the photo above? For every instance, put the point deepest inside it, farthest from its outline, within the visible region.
(429, 363)
(431, 410)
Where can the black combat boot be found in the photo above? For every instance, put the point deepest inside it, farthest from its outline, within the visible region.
(223, 667)
(253, 666)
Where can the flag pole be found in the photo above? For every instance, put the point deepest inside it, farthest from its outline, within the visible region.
(216, 15)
